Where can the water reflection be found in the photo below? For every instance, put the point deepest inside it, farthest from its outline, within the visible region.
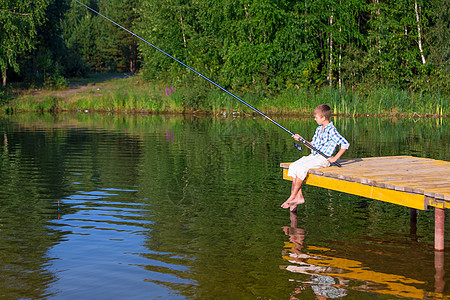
(102, 206)
(323, 285)
(105, 234)
(330, 276)
(439, 284)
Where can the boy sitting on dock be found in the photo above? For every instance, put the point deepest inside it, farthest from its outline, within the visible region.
(325, 139)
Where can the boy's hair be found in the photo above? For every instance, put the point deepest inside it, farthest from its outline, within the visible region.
(323, 110)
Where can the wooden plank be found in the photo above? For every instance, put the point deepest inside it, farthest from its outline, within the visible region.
(435, 172)
(432, 170)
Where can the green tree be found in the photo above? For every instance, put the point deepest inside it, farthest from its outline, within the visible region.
(80, 30)
(252, 43)
(437, 39)
(165, 24)
(273, 45)
(52, 59)
(116, 47)
(19, 20)
(396, 50)
(103, 45)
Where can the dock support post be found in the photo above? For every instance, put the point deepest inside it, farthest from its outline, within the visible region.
(439, 216)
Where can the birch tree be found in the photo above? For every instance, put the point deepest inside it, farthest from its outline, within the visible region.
(419, 34)
(19, 20)
(274, 44)
(330, 45)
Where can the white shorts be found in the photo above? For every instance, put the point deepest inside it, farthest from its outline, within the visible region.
(300, 167)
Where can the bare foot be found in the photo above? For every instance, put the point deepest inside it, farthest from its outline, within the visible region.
(287, 203)
(293, 204)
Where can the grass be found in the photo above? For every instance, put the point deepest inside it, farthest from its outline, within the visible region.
(121, 93)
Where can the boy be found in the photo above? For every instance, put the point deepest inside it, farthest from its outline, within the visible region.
(325, 139)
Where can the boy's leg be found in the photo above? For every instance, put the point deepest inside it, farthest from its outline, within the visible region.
(297, 171)
(298, 199)
(298, 174)
(291, 196)
(296, 193)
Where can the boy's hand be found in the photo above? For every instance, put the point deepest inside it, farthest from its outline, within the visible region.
(337, 156)
(297, 137)
(332, 159)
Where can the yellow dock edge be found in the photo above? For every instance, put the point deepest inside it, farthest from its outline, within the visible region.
(411, 200)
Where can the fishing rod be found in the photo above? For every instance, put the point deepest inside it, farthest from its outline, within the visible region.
(306, 143)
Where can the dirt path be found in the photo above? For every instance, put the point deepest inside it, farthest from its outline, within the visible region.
(75, 88)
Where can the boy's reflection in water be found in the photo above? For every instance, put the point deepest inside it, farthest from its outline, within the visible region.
(323, 286)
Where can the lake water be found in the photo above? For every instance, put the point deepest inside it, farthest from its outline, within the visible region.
(168, 207)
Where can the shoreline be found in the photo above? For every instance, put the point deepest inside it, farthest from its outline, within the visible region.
(234, 114)
(131, 94)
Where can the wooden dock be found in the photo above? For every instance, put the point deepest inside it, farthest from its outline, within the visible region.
(404, 180)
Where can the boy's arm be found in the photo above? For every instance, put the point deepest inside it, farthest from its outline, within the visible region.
(297, 137)
(337, 156)
(343, 143)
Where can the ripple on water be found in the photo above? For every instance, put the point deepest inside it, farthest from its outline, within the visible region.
(105, 236)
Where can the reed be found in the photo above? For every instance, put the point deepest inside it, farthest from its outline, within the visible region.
(133, 94)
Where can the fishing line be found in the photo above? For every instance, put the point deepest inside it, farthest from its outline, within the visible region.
(306, 143)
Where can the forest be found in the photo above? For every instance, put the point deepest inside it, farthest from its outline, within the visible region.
(261, 46)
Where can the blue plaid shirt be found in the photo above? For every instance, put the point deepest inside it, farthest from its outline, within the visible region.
(327, 139)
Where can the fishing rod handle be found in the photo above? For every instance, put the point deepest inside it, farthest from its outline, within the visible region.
(336, 164)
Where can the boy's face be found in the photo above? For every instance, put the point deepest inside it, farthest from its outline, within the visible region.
(319, 119)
